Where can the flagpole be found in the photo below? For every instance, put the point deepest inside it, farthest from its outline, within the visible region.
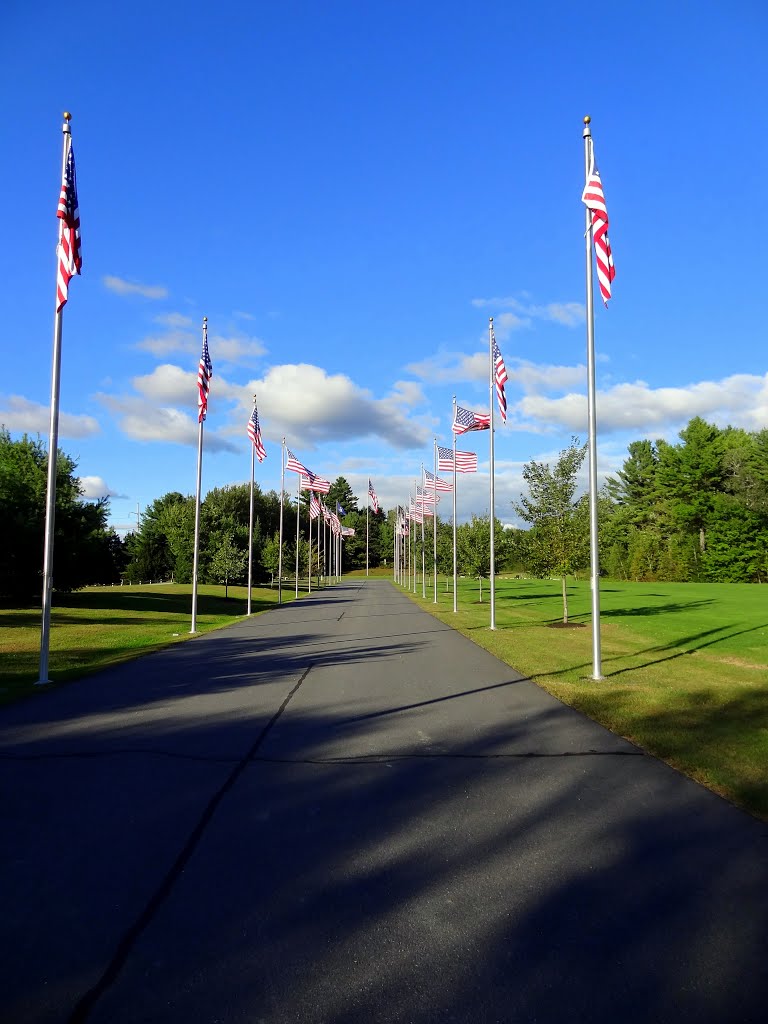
(196, 556)
(298, 507)
(250, 523)
(493, 481)
(434, 517)
(592, 447)
(280, 549)
(367, 512)
(455, 578)
(309, 558)
(53, 449)
(423, 543)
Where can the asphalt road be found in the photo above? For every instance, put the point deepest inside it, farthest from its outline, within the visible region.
(343, 812)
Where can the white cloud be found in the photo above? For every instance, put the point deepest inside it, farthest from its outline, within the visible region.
(309, 406)
(19, 414)
(96, 487)
(121, 287)
(144, 420)
(537, 378)
(454, 366)
(176, 320)
(174, 340)
(448, 366)
(168, 385)
(515, 315)
(238, 349)
(740, 401)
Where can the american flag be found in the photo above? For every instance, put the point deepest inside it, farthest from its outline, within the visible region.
(466, 462)
(500, 377)
(254, 432)
(347, 531)
(294, 465)
(315, 506)
(204, 374)
(372, 495)
(465, 419)
(70, 257)
(435, 481)
(594, 200)
(415, 515)
(402, 521)
(426, 495)
(311, 482)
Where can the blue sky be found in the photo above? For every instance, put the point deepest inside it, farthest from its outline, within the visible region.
(348, 190)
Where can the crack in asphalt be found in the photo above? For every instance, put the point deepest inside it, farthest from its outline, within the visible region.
(87, 1002)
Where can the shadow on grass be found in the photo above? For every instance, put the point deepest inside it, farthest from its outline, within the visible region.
(699, 721)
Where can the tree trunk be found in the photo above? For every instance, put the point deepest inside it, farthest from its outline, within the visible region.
(565, 600)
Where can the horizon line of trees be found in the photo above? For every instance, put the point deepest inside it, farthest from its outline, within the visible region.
(694, 511)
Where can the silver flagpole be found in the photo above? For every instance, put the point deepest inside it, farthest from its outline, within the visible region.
(434, 517)
(250, 523)
(367, 513)
(423, 544)
(280, 549)
(53, 450)
(593, 550)
(455, 578)
(492, 570)
(411, 584)
(318, 562)
(298, 507)
(196, 557)
(309, 559)
(411, 550)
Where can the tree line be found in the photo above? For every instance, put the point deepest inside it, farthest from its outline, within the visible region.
(696, 510)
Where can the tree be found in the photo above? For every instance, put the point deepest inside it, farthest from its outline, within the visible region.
(473, 547)
(692, 473)
(227, 563)
(152, 555)
(340, 491)
(83, 545)
(558, 542)
(270, 554)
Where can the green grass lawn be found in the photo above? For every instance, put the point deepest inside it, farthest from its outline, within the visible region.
(685, 666)
(101, 626)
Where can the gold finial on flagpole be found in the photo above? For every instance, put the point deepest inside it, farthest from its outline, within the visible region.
(67, 116)
(587, 119)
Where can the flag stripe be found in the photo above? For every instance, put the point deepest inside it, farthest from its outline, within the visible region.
(293, 464)
(466, 462)
(594, 199)
(70, 259)
(204, 374)
(500, 378)
(465, 419)
(372, 494)
(254, 432)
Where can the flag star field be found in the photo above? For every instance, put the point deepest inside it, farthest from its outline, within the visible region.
(348, 192)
